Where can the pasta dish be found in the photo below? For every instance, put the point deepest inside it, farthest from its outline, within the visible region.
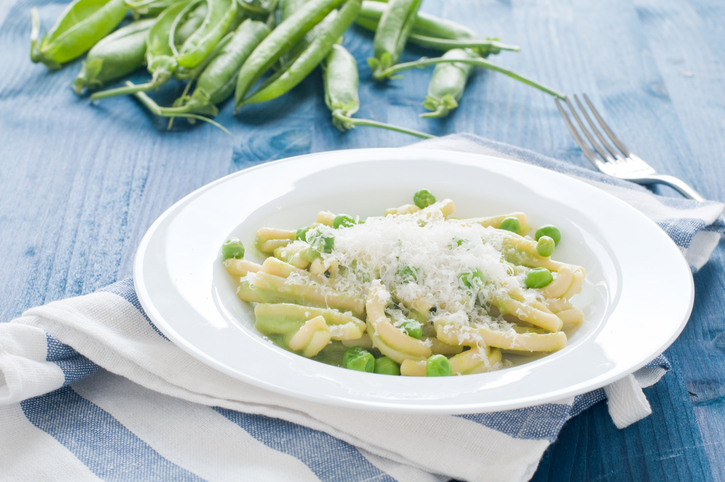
(415, 292)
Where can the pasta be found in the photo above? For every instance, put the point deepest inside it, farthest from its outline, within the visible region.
(415, 292)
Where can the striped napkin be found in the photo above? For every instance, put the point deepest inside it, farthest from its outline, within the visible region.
(89, 389)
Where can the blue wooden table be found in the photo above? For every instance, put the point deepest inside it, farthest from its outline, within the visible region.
(80, 184)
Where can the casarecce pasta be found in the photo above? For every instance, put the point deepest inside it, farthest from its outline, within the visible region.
(415, 292)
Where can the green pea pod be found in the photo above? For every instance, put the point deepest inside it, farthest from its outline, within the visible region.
(239, 17)
(341, 84)
(160, 60)
(311, 57)
(189, 23)
(447, 84)
(257, 9)
(434, 32)
(278, 42)
(396, 25)
(216, 82)
(219, 79)
(115, 56)
(341, 93)
(148, 7)
(219, 15)
(81, 25)
(286, 9)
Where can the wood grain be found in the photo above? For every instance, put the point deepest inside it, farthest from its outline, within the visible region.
(80, 184)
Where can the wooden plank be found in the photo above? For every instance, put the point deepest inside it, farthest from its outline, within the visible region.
(81, 184)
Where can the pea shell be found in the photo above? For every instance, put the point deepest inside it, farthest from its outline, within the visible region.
(81, 25)
(219, 15)
(219, 77)
(277, 42)
(311, 57)
(115, 56)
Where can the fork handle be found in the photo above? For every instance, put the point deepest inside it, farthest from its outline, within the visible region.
(677, 184)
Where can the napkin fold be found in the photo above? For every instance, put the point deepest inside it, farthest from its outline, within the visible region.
(89, 388)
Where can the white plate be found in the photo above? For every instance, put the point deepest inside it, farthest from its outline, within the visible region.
(637, 298)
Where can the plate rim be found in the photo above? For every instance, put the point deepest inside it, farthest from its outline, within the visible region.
(169, 331)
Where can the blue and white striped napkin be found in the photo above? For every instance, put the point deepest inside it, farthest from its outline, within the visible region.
(90, 389)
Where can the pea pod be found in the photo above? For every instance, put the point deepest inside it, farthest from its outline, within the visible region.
(434, 32)
(162, 54)
(216, 82)
(140, 8)
(479, 62)
(278, 42)
(219, 15)
(286, 8)
(160, 59)
(115, 56)
(190, 22)
(396, 25)
(311, 57)
(257, 9)
(341, 93)
(81, 25)
(447, 84)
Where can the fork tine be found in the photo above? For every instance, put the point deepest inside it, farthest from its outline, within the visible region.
(580, 142)
(605, 155)
(593, 126)
(606, 128)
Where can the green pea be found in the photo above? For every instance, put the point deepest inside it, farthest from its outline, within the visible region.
(312, 254)
(329, 243)
(358, 358)
(352, 352)
(511, 224)
(438, 366)
(408, 274)
(386, 366)
(321, 243)
(472, 279)
(412, 328)
(301, 234)
(233, 248)
(549, 230)
(538, 278)
(343, 220)
(423, 198)
(545, 246)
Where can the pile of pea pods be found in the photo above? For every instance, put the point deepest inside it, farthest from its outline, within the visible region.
(258, 50)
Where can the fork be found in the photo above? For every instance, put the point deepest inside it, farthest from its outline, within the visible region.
(619, 163)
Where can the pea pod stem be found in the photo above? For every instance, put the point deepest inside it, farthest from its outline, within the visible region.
(447, 44)
(389, 72)
(350, 122)
(154, 108)
(35, 36)
(132, 89)
(483, 46)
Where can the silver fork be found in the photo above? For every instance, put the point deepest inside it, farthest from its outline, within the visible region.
(617, 163)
